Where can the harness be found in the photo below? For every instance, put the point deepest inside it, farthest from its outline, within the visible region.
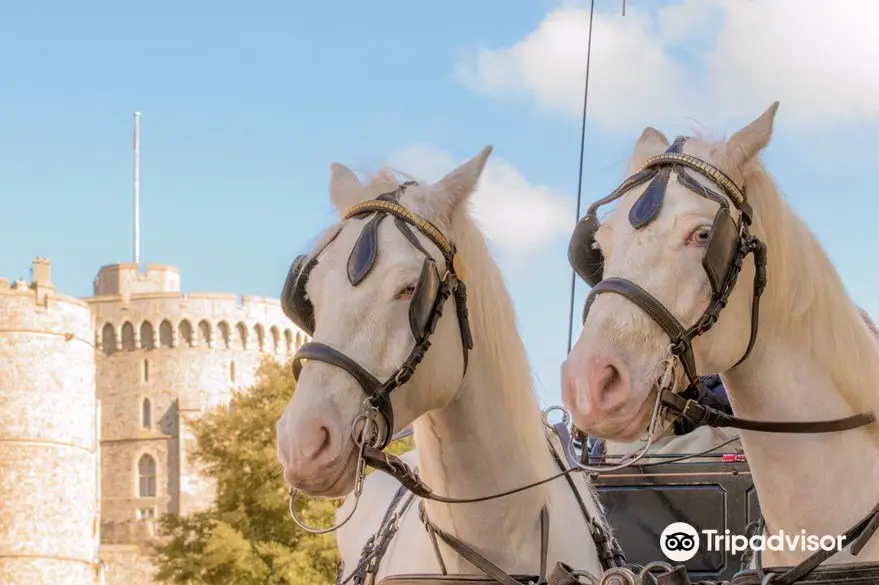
(425, 310)
(729, 244)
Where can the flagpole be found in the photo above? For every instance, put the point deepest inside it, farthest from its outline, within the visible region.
(137, 189)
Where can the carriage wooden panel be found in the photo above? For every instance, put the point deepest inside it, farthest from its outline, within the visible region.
(641, 501)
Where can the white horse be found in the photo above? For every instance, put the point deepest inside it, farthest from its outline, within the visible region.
(477, 435)
(813, 359)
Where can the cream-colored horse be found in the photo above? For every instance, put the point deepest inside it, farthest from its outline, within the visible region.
(477, 435)
(813, 358)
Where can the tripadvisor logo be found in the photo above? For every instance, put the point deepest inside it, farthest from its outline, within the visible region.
(680, 542)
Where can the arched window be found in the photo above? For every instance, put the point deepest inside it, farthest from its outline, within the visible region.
(147, 414)
(242, 335)
(128, 336)
(166, 334)
(231, 371)
(223, 328)
(260, 336)
(204, 333)
(276, 338)
(185, 331)
(146, 335)
(146, 477)
(108, 338)
(288, 337)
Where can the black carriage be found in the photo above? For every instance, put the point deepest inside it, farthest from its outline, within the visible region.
(717, 494)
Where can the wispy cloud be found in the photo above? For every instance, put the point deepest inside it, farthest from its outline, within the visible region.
(518, 217)
(713, 60)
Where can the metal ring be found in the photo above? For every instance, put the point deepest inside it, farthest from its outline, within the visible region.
(369, 424)
(632, 457)
(618, 576)
(564, 411)
(650, 566)
(294, 493)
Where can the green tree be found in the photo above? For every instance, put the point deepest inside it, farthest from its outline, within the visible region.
(247, 536)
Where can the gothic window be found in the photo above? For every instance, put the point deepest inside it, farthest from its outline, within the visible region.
(146, 476)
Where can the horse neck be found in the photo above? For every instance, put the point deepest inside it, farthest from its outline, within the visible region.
(814, 360)
(490, 438)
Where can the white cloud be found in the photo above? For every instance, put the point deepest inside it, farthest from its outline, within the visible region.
(516, 216)
(713, 60)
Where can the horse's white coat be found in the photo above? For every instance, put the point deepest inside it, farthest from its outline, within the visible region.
(477, 436)
(814, 359)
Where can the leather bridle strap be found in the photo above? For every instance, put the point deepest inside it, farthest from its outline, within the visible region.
(858, 535)
(378, 392)
(375, 548)
(479, 561)
(705, 415)
(374, 389)
(656, 310)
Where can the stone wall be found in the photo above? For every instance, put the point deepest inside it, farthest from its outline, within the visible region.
(125, 564)
(163, 358)
(48, 443)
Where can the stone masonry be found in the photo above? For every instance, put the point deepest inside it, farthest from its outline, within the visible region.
(48, 438)
(149, 359)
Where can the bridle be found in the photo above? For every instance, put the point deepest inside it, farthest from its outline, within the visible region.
(431, 291)
(426, 308)
(726, 250)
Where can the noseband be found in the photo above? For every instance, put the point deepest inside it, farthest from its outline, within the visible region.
(728, 246)
(425, 308)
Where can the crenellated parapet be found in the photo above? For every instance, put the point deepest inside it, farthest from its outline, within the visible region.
(204, 320)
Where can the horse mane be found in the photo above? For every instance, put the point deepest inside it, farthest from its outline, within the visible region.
(805, 298)
(496, 333)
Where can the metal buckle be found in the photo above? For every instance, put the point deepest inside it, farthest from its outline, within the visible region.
(685, 412)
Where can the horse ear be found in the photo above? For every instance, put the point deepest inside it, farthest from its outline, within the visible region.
(345, 188)
(450, 192)
(746, 144)
(651, 143)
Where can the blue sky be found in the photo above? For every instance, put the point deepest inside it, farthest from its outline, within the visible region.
(245, 108)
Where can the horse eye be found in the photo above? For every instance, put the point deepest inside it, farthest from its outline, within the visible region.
(700, 237)
(405, 293)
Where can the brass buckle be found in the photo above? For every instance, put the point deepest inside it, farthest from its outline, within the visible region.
(691, 403)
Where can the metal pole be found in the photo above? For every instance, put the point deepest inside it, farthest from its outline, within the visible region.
(580, 174)
(137, 188)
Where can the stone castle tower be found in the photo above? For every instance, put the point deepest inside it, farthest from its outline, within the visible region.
(48, 435)
(104, 390)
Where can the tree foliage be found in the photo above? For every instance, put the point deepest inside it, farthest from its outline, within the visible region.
(247, 536)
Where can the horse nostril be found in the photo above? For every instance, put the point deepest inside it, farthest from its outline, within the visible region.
(319, 443)
(611, 378)
(608, 384)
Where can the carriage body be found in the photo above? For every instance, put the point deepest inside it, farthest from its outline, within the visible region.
(641, 501)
